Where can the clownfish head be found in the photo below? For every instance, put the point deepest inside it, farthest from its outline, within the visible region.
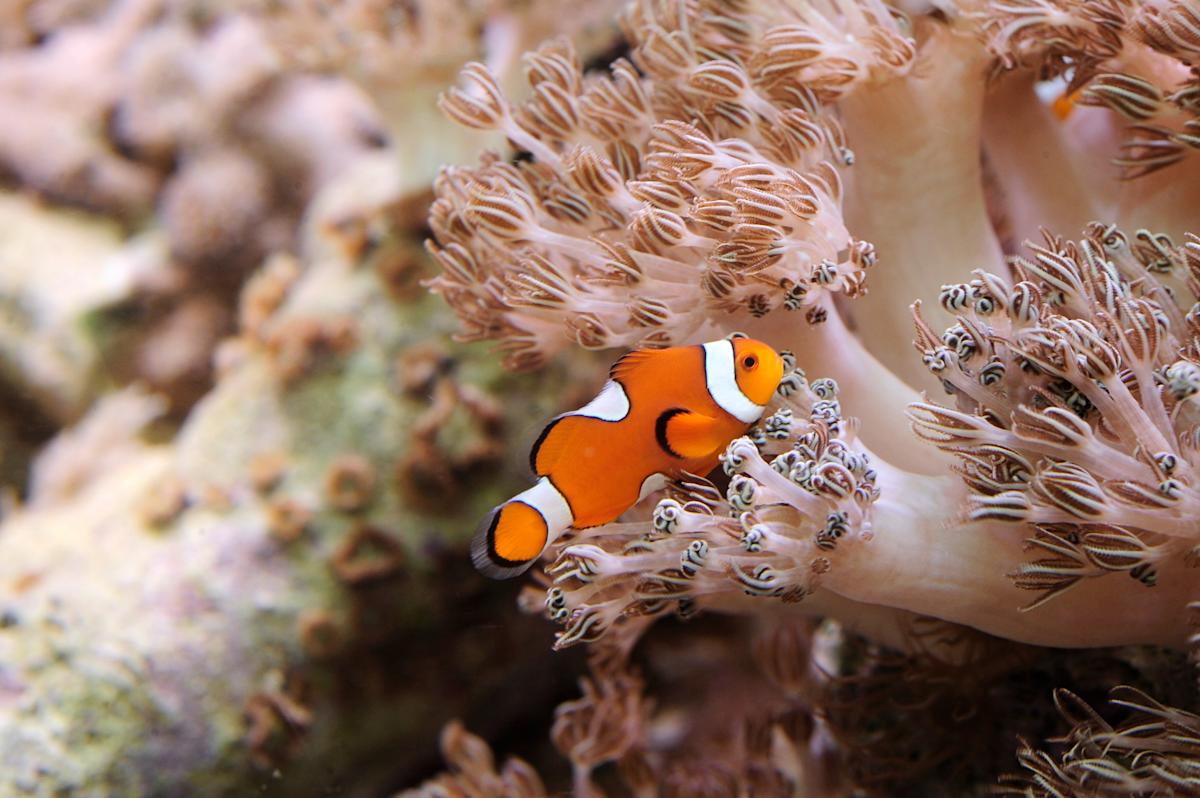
(758, 369)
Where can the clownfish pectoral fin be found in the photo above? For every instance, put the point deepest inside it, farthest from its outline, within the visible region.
(685, 434)
(509, 541)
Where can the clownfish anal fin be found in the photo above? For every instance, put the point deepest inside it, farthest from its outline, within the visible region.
(509, 540)
(684, 434)
(629, 362)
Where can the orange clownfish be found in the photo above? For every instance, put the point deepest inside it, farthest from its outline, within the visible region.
(661, 413)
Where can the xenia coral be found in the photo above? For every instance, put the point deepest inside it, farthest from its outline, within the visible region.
(805, 172)
(1152, 752)
(764, 740)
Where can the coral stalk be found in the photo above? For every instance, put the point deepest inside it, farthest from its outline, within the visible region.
(916, 188)
(931, 563)
(1047, 176)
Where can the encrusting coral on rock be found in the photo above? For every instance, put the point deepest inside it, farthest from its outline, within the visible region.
(241, 589)
(195, 135)
(187, 131)
(803, 173)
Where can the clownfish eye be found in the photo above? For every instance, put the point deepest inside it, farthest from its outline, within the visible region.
(749, 362)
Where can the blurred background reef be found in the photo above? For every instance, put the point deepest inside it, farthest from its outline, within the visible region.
(239, 453)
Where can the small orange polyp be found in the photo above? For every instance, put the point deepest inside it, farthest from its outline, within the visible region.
(1064, 105)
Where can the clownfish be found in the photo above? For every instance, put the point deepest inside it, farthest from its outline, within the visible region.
(661, 413)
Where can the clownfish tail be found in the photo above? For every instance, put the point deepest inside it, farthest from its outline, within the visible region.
(485, 551)
(512, 537)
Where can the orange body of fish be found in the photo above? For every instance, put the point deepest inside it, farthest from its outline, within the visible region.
(661, 413)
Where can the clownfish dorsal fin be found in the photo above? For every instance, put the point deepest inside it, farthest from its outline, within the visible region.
(686, 434)
(629, 362)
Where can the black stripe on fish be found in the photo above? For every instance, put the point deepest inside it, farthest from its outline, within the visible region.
(537, 445)
(660, 430)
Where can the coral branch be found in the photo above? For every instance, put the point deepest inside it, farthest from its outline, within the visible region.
(1051, 173)
(918, 137)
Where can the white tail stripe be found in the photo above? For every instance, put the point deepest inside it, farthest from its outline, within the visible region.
(611, 404)
(722, 382)
(550, 504)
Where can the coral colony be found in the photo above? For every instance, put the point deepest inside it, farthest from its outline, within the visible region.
(804, 172)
